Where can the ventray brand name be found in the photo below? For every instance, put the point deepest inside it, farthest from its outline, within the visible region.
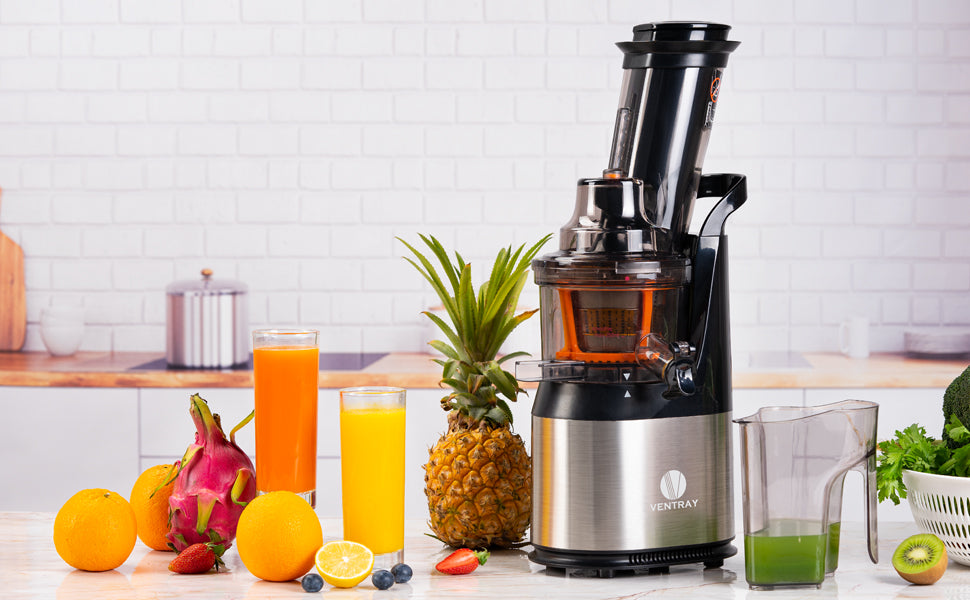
(676, 505)
(673, 485)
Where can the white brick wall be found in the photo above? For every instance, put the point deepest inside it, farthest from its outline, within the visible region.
(287, 142)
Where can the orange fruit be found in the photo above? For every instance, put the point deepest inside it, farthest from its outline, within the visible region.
(151, 507)
(95, 530)
(278, 536)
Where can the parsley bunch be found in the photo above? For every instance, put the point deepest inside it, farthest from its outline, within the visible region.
(913, 450)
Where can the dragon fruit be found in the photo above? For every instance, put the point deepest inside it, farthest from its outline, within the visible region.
(214, 482)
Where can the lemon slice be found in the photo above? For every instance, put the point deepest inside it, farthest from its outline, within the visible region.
(344, 564)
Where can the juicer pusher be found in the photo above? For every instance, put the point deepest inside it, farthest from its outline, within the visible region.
(671, 82)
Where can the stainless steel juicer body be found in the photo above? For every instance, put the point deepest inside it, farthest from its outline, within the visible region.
(631, 424)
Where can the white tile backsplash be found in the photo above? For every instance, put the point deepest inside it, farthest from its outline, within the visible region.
(287, 143)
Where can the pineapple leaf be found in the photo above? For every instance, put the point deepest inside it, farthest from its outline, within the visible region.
(512, 355)
(504, 407)
(498, 415)
(477, 413)
(502, 380)
(439, 251)
(475, 381)
(498, 273)
(507, 296)
(471, 399)
(456, 384)
(511, 324)
(487, 395)
(444, 349)
(448, 331)
(531, 252)
(467, 324)
(481, 320)
(448, 367)
(514, 262)
(428, 270)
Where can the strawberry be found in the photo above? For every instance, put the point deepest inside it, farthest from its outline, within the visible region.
(198, 558)
(462, 561)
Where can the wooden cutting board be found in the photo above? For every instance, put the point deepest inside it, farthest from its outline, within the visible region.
(13, 302)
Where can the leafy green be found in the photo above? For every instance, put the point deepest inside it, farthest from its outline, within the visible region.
(913, 450)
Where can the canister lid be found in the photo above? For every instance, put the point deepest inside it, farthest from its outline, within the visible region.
(206, 286)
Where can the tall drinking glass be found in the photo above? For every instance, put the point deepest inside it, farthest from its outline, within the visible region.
(372, 470)
(286, 368)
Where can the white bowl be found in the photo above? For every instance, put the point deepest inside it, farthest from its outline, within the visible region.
(941, 505)
(62, 329)
(937, 341)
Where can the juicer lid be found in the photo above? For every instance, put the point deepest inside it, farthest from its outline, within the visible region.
(611, 216)
(639, 270)
(611, 240)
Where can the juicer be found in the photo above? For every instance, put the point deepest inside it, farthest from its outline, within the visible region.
(631, 424)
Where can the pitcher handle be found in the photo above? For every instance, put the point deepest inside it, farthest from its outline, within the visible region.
(872, 534)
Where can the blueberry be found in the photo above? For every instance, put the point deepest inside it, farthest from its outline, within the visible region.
(402, 573)
(312, 582)
(382, 579)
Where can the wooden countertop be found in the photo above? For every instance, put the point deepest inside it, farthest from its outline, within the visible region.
(120, 369)
(417, 371)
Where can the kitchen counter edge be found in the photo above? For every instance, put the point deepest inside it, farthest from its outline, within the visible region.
(417, 371)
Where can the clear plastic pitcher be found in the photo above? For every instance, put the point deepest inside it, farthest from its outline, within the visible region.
(794, 460)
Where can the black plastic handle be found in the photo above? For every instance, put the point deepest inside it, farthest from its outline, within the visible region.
(733, 190)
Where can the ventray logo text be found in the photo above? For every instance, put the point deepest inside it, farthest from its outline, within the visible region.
(673, 485)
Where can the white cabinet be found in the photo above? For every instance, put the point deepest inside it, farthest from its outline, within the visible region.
(165, 430)
(55, 442)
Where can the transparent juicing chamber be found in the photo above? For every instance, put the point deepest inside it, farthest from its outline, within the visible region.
(607, 323)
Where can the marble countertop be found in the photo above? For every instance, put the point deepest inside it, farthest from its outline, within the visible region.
(30, 568)
(417, 371)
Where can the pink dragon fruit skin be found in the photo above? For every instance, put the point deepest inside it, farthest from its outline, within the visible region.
(215, 481)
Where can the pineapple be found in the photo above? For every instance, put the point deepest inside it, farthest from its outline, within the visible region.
(478, 479)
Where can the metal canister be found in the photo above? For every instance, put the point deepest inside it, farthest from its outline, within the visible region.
(207, 323)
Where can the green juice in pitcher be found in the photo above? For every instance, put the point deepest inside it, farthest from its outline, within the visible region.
(790, 552)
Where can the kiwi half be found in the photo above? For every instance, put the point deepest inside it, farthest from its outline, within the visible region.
(920, 559)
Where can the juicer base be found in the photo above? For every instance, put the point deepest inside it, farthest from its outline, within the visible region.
(609, 564)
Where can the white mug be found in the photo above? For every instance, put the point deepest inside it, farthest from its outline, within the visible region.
(854, 337)
(62, 329)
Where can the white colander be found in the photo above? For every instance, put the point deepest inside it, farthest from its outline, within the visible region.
(941, 506)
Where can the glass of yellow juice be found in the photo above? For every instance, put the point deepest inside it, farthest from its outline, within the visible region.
(372, 470)
(286, 371)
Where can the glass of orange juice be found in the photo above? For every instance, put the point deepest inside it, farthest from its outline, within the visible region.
(372, 470)
(286, 369)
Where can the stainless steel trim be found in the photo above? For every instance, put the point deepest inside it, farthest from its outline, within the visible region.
(631, 485)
